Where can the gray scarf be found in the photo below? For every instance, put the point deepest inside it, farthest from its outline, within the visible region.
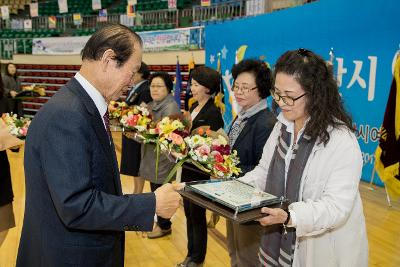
(277, 247)
(240, 121)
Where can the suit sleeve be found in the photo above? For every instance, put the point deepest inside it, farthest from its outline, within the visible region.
(261, 134)
(215, 120)
(258, 176)
(66, 158)
(145, 97)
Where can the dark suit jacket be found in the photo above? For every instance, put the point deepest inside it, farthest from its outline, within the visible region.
(209, 115)
(251, 140)
(75, 213)
(140, 95)
(130, 152)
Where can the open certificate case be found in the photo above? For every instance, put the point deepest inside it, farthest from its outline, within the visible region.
(231, 198)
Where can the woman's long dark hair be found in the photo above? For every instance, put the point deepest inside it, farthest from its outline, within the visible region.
(324, 104)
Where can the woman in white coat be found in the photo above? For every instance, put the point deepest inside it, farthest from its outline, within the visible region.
(312, 158)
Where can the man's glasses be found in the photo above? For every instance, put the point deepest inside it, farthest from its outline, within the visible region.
(288, 100)
(243, 89)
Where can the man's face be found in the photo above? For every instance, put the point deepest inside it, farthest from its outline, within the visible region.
(120, 78)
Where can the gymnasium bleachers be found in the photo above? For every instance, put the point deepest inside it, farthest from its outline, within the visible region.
(15, 6)
(55, 76)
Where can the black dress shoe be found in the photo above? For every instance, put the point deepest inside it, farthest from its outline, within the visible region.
(184, 263)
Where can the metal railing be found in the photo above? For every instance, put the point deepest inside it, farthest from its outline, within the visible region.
(224, 10)
(217, 11)
(157, 17)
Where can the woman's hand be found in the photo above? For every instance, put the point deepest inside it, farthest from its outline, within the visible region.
(13, 93)
(275, 216)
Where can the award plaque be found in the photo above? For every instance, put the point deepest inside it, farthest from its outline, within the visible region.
(231, 198)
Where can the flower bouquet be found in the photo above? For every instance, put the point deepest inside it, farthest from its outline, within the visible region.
(115, 109)
(31, 91)
(172, 130)
(210, 152)
(138, 119)
(12, 130)
(169, 134)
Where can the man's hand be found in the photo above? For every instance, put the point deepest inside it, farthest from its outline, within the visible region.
(167, 200)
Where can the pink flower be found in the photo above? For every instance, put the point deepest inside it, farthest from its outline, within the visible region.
(23, 131)
(132, 121)
(176, 138)
(203, 150)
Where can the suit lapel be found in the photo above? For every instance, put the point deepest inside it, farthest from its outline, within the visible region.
(134, 92)
(244, 132)
(202, 111)
(98, 126)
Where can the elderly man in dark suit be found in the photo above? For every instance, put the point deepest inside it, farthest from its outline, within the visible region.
(75, 213)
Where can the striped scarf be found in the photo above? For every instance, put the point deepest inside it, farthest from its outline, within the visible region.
(240, 121)
(276, 247)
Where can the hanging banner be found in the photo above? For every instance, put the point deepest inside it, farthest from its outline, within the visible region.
(255, 7)
(77, 19)
(34, 9)
(63, 6)
(102, 15)
(205, 2)
(130, 11)
(17, 24)
(362, 62)
(52, 22)
(5, 12)
(28, 24)
(171, 4)
(166, 40)
(169, 40)
(56, 46)
(96, 4)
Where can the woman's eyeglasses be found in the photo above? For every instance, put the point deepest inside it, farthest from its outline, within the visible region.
(156, 86)
(243, 89)
(288, 100)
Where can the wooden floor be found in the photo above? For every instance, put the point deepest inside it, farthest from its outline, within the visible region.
(383, 225)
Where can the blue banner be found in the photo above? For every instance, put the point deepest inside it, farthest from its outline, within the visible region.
(364, 35)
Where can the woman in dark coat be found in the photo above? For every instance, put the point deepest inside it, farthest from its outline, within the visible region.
(248, 135)
(130, 153)
(6, 194)
(12, 86)
(205, 82)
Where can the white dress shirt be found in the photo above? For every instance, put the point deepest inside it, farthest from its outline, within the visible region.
(94, 94)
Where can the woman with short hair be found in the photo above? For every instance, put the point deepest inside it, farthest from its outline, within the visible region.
(163, 105)
(204, 84)
(247, 135)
